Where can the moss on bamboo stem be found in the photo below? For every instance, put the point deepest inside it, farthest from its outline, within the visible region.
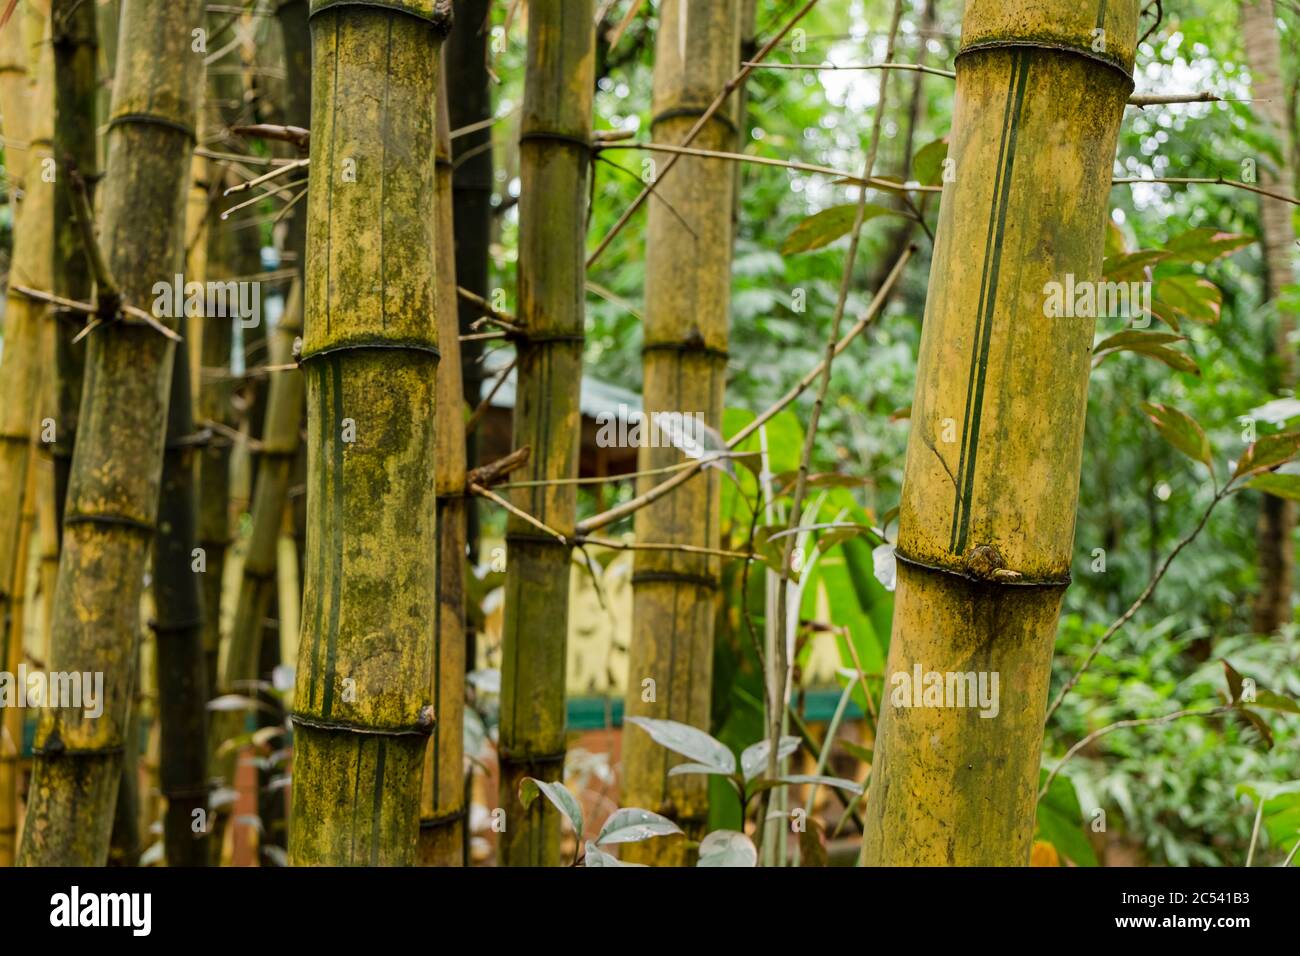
(688, 294)
(117, 462)
(442, 804)
(369, 356)
(554, 159)
(986, 523)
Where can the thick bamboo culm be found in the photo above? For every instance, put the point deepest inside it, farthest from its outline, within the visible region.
(179, 661)
(986, 525)
(442, 803)
(554, 159)
(20, 392)
(117, 463)
(370, 357)
(688, 301)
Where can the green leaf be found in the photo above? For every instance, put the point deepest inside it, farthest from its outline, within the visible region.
(839, 783)
(1272, 701)
(927, 164)
(1182, 431)
(1134, 340)
(558, 794)
(687, 741)
(823, 228)
(1131, 266)
(1205, 244)
(595, 856)
(1060, 821)
(1267, 453)
(1186, 297)
(1151, 344)
(754, 758)
(1278, 485)
(684, 769)
(727, 848)
(632, 825)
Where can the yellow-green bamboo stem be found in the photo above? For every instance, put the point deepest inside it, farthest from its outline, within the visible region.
(12, 728)
(117, 462)
(20, 380)
(442, 804)
(554, 159)
(688, 299)
(370, 359)
(986, 525)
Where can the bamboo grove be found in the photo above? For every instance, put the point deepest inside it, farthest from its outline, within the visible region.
(305, 391)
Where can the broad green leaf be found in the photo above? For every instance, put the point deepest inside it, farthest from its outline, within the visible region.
(1133, 339)
(632, 825)
(862, 753)
(558, 794)
(1279, 485)
(595, 856)
(1268, 452)
(1206, 244)
(753, 760)
(687, 741)
(927, 164)
(1131, 266)
(823, 228)
(1181, 431)
(1187, 297)
(1060, 821)
(727, 848)
(1272, 701)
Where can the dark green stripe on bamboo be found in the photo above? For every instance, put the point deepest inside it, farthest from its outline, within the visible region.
(986, 525)
(117, 463)
(442, 805)
(688, 298)
(554, 158)
(370, 354)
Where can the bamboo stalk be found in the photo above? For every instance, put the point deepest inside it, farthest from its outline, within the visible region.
(369, 357)
(20, 392)
(75, 35)
(443, 834)
(178, 637)
(1277, 516)
(986, 522)
(554, 160)
(117, 462)
(687, 311)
